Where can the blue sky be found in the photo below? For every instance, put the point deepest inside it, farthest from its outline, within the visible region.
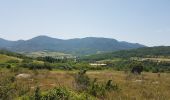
(139, 21)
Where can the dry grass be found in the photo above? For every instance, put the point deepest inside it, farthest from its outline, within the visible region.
(148, 86)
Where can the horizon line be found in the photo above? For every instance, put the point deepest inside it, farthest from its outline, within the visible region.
(68, 39)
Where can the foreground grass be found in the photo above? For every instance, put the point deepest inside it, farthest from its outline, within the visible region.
(148, 86)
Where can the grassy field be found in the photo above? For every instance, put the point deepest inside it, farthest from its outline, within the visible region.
(5, 58)
(46, 53)
(148, 86)
(158, 59)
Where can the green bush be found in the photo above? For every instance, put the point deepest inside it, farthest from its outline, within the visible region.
(35, 65)
(12, 61)
(96, 89)
(5, 65)
(56, 94)
(60, 93)
(37, 95)
(82, 80)
(8, 66)
(111, 87)
(99, 90)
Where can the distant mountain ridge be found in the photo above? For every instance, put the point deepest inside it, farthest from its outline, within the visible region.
(83, 46)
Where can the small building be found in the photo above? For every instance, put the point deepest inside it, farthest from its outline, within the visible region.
(98, 64)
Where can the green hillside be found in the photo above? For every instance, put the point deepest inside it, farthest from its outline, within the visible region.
(161, 51)
(5, 58)
(82, 46)
(13, 54)
(47, 53)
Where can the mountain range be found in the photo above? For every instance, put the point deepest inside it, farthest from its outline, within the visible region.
(77, 46)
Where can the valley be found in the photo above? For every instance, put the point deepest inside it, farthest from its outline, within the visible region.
(40, 74)
(85, 50)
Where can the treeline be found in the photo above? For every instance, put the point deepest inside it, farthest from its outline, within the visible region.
(163, 51)
(148, 66)
(74, 64)
(54, 60)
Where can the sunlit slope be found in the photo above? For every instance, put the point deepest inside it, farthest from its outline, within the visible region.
(5, 58)
(46, 53)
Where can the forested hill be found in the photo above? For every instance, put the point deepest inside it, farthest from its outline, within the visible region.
(83, 46)
(140, 52)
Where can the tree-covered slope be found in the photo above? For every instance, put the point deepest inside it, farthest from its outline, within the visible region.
(140, 52)
(84, 46)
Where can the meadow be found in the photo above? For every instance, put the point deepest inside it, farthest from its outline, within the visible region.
(47, 78)
(147, 86)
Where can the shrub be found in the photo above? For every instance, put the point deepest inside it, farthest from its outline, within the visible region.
(47, 66)
(62, 93)
(99, 90)
(93, 87)
(57, 94)
(96, 89)
(109, 86)
(12, 61)
(82, 80)
(155, 70)
(35, 65)
(37, 95)
(8, 66)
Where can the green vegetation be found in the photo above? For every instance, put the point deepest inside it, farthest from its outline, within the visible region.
(84, 46)
(158, 64)
(94, 88)
(141, 52)
(13, 54)
(154, 59)
(110, 77)
(63, 85)
(49, 54)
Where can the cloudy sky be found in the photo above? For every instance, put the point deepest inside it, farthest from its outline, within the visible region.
(139, 21)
